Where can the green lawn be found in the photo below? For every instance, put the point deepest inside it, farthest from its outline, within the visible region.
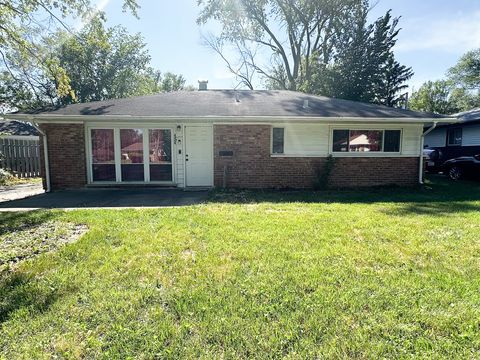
(391, 273)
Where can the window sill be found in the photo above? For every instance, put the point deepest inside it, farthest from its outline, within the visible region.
(354, 155)
(371, 154)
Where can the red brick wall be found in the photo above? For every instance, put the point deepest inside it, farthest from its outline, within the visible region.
(251, 165)
(66, 155)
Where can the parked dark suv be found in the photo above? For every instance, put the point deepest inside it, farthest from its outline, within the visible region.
(434, 160)
(460, 167)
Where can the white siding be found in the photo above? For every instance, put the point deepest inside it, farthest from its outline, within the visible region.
(179, 162)
(411, 140)
(306, 139)
(315, 139)
(471, 135)
(437, 138)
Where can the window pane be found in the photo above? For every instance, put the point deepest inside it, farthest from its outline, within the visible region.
(365, 140)
(132, 172)
(103, 155)
(392, 141)
(103, 150)
(131, 144)
(160, 146)
(277, 140)
(160, 155)
(103, 172)
(159, 172)
(340, 140)
(455, 136)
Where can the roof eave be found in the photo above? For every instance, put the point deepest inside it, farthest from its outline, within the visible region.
(44, 118)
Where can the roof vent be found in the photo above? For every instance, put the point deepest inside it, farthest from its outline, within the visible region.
(202, 85)
(305, 104)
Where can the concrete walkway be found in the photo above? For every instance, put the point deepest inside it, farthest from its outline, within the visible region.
(14, 192)
(107, 199)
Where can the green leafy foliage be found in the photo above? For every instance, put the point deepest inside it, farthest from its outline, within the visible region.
(100, 63)
(364, 67)
(324, 173)
(322, 47)
(433, 96)
(24, 23)
(466, 73)
(110, 63)
(459, 92)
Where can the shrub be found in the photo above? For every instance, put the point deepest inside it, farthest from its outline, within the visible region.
(324, 173)
(5, 177)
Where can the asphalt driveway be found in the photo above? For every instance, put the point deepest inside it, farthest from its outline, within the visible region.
(107, 198)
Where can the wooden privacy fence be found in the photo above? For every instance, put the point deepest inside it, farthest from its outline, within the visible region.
(20, 156)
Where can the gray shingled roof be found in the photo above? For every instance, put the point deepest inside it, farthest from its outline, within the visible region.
(236, 103)
(467, 116)
(18, 128)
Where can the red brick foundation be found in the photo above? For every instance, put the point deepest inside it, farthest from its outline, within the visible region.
(252, 166)
(66, 155)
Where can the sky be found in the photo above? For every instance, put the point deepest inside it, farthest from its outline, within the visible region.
(435, 33)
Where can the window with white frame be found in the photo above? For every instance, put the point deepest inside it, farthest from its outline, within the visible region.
(103, 155)
(373, 140)
(131, 155)
(278, 140)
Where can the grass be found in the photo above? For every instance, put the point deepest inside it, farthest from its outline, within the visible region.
(387, 273)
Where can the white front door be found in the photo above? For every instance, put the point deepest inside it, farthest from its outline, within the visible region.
(199, 155)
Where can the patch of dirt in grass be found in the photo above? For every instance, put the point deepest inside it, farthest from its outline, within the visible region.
(26, 242)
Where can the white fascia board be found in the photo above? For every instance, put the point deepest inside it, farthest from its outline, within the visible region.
(241, 120)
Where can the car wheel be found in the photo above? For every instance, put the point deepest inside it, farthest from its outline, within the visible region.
(455, 173)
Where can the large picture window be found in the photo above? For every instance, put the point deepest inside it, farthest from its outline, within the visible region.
(345, 140)
(103, 155)
(131, 155)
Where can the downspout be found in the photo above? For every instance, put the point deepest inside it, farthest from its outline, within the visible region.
(45, 156)
(422, 142)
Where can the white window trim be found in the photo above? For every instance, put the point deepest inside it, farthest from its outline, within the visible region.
(271, 141)
(118, 162)
(365, 153)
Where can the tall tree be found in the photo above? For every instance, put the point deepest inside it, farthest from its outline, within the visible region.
(466, 73)
(104, 63)
(100, 63)
(364, 67)
(291, 33)
(325, 47)
(460, 91)
(23, 23)
(432, 96)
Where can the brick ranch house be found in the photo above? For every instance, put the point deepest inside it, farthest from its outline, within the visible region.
(240, 139)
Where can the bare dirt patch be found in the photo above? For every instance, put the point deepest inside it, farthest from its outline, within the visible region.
(29, 241)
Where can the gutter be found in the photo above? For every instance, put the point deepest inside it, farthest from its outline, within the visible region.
(422, 142)
(221, 120)
(45, 156)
